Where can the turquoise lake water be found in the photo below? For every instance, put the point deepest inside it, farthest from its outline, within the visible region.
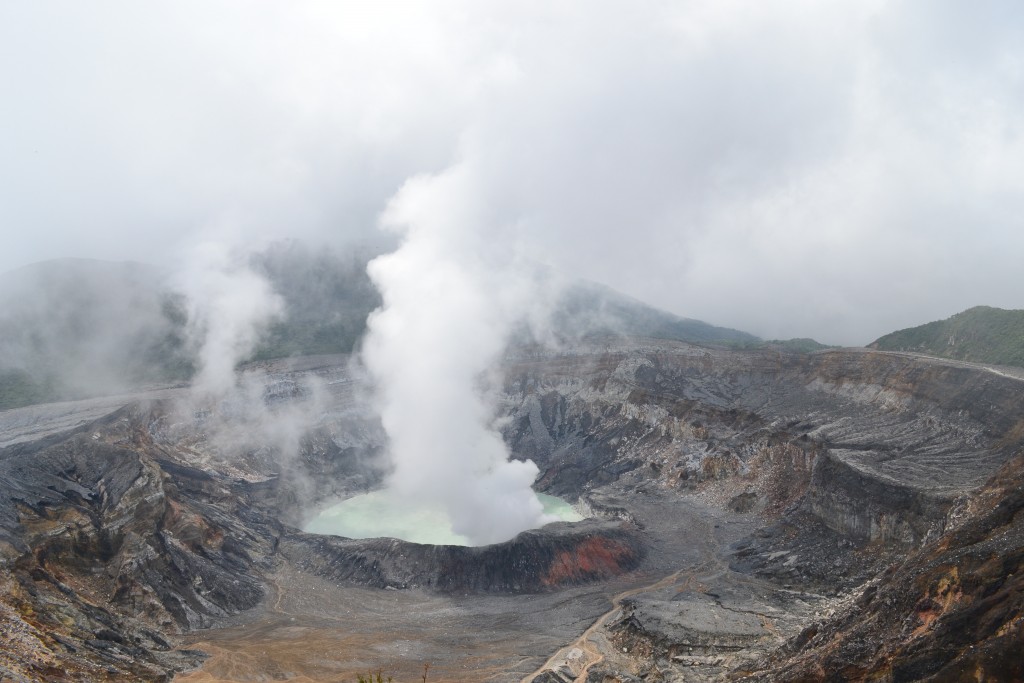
(378, 515)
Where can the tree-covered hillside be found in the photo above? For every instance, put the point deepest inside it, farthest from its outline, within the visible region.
(73, 328)
(589, 309)
(327, 298)
(76, 328)
(981, 334)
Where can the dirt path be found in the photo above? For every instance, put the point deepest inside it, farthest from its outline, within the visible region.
(1003, 371)
(583, 641)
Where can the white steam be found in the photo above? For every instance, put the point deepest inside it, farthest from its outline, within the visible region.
(229, 305)
(451, 293)
(249, 423)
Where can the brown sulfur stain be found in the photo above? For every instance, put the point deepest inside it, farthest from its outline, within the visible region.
(944, 596)
(191, 528)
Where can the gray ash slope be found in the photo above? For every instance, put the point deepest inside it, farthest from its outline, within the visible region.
(124, 532)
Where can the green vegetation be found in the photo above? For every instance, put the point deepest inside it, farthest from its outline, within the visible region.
(18, 388)
(981, 334)
(379, 676)
(76, 328)
(327, 297)
(589, 309)
(801, 344)
(371, 678)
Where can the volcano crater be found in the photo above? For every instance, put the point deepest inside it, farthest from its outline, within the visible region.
(556, 555)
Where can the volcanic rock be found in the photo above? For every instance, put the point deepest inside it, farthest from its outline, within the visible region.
(845, 513)
(554, 556)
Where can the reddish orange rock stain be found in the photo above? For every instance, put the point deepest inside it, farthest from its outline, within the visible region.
(593, 557)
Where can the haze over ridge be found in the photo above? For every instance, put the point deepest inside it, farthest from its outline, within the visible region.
(801, 170)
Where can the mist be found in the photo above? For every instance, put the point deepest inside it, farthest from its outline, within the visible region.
(798, 169)
(229, 306)
(76, 328)
(794, 169)
(245, 416)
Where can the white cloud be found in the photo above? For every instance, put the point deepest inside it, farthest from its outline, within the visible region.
(791, 168)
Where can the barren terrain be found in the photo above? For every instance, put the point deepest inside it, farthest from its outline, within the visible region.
(742, 504)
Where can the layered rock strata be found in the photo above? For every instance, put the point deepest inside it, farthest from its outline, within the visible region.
(117, 534)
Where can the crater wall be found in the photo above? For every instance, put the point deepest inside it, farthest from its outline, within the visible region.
(876, 445)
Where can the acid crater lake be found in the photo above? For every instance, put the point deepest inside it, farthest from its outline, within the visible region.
(379, 514)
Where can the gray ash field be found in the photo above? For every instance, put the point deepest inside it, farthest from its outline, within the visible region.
(754, 513)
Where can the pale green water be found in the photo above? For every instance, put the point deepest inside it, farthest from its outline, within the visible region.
(379, 515)
(559, 508)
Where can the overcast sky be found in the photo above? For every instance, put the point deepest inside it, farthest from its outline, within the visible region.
(801, 168)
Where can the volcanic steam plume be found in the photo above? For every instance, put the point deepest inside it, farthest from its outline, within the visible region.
(451, 293)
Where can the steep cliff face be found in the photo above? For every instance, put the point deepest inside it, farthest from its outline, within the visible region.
(854, 459)
(951, 611)
(883, 444)
(108, 555)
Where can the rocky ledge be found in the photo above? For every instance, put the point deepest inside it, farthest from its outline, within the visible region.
(847, 476)
(554, 556)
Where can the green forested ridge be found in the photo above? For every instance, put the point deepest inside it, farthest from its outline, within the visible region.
(76, 328)
(327, 298)
(981, 334)
(589, 309)
(800, 344)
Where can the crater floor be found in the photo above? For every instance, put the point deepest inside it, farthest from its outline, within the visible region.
(317, 630)
(755, 513)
